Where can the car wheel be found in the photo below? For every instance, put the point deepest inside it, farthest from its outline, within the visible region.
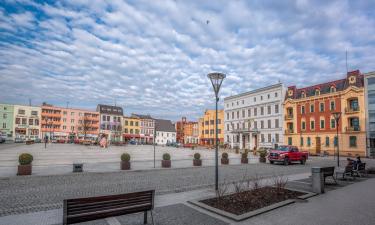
(271, 162)
(286, 161)
(303, 161)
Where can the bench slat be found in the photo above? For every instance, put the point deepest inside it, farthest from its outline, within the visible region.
(104, 207)
(78, 205)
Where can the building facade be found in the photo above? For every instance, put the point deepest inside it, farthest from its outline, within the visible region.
(180, 125)
(111, 122)
(132, 129)
(165, 132)
(26, 122)
(254, 119)
(6, 121)
(69, 124)
(147, 128)
(309, 122)
(370, 112)
(191, 133)
(207, 124)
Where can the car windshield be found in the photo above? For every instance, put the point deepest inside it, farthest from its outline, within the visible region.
(283, 148)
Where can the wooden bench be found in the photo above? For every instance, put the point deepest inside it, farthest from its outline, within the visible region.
(328, 172)
(350, 172)
(360, 170)
(93, 208)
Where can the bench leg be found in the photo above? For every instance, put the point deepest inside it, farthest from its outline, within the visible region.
(145, 218)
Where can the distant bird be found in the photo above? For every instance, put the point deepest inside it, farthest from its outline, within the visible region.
(207, 21)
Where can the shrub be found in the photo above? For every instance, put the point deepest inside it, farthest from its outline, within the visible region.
(244, 155)
(224, 155)
(125, 157)
(25, 159)
(197, 156)
(262, 153)
(166, 156)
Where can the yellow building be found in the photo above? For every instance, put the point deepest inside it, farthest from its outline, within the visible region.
(207, 127)
(309, 122)
(131, 129)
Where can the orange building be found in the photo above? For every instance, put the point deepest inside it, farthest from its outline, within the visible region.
(207, 127)
(187, 131)
(309, 122)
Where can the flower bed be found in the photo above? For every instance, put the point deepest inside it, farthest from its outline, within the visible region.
(247, 201)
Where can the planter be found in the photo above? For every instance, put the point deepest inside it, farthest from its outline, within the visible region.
(166, 163)
(197, 162)
(224, 161)
(24, 170)
(262, 160)
(244, 160)
(125, 165)
(77, 167)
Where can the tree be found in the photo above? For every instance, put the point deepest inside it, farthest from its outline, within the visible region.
(85, 125)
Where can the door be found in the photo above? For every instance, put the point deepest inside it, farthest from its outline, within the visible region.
(243, 141)
(318, 145)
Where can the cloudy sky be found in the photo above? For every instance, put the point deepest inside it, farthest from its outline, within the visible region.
(153, 56)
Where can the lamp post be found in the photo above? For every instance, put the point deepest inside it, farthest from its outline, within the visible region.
(336, 116)
(216, 81)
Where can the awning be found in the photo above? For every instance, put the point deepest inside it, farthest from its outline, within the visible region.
(132, 135)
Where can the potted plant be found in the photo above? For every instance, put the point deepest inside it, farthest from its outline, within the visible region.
(224, 158)
(236, 149)
(197, 159)
(125, 161)
(262, 156)
(25, 167)
(166, 162)
(244, 159)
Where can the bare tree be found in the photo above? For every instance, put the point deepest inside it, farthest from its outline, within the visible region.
(85, 126)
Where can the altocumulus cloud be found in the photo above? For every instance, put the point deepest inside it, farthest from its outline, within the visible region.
(153, 56)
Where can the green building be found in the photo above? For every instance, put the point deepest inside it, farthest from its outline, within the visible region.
(6, 120)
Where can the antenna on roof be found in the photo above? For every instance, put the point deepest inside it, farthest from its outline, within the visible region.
(346, 60)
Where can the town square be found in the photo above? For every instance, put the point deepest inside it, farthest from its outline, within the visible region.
(187, 112)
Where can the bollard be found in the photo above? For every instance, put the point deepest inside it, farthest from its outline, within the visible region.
(317, 180)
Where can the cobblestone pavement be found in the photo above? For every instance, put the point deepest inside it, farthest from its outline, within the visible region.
(36, 193)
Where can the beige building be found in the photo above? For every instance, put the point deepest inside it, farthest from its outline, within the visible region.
(27, 122)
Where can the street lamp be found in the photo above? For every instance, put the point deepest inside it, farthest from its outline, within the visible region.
(216, 81)
(336, 116)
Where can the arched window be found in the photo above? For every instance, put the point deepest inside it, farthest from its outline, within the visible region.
(317, 92)
(303, 94)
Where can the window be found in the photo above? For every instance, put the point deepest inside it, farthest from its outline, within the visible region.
(212, 122)
(72, 113)
(255, 99)
(256, 124)
(303, 125)
(31, 122)
(268, 96)
(36, 122)
(308, 141)
(238, 114)
(262, 138)
(206, 122)
(276, 123)
(219, 131)
(302, 109)
(301, 141)
(321, 108)
(327, 141)
(4, 125)
(255, 111)
(4, 116)
(312, 125)
(218, 121)
(353, 141)
(269, 123)
(34, 113)
(131, 123)
(21, 111)
(269, 109)
(227, 116)
(276, 108)
(136, 123)
(243, 113)
(269, 137)
(64, 112)
(72, 128)
(333, 123)
(64, 120)
(332, 89)
(335, 141)
(262, 111)
(131, 131)
(103, 118)
(317, 92)
(311, 108)
(249, 112)
(290, 142)
(262, 124)
(277, 136)
(64, 127)
(332, 106)
(261, 97)
(72, 121)
(23, 121)
(228, 126)
(126, 123)
(243, 102)
(232, 115)
(322, 124)
(275, 94)
(303, 95)
(126, 130)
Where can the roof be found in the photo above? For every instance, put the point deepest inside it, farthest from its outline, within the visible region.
(325, 88)
(109, 109)
(139, 116)
(164, 125)
(254, 91)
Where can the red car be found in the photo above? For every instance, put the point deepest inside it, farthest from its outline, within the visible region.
(287, 154)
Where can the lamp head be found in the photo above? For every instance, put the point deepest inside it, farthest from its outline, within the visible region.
(216, 80)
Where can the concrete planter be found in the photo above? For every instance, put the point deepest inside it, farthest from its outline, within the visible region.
(77, 167)
(24, 170)
(262, 160)
(244, 160)
(224, 161)
(125, 165)
(197, 162)
(166, 163)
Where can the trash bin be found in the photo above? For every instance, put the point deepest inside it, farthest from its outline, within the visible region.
(77, 167)
(317, 180)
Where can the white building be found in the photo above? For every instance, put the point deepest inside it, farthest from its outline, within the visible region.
(165, 132)
(27, 122)
(254, 119)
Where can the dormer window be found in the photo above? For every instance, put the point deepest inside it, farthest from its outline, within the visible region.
(317, 92)
(332, 89)
(303, 94)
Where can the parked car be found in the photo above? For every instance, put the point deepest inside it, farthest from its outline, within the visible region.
(19, 140)
(2, 140)
(132, 142)
(37, 140)
(287, 154)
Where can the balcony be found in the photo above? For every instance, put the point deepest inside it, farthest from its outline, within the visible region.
(289, 131)
(353, 129)
(289, 117)
(350, 110)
